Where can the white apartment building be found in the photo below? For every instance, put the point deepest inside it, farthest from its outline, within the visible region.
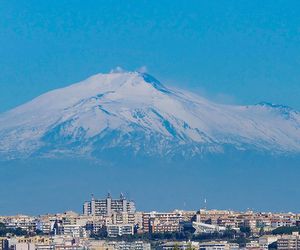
(103, 207)
(119, 230)
(72, 230)
(218, 245)
(136, 245)
(182, 245)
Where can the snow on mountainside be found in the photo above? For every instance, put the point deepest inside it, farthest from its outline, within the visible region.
(134, 112)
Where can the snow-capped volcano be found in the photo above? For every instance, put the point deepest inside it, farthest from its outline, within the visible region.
(134, 112)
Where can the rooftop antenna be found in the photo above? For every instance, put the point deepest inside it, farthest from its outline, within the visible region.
(127, 195)
(205, 203)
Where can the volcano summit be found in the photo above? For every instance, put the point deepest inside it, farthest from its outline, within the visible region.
(133, 112)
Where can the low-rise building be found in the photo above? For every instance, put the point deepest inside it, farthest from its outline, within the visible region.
(182, 245)
(253, 245)
(119, 230)
(155, 222)
(218, 245)
(135, 245)
(72, 230)
(266, 240)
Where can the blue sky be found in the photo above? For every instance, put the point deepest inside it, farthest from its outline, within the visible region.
(231, 51)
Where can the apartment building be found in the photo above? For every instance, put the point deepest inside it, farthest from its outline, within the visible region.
(218, 245)
(266, 240)
(19, 221)
(119, 230)
(72, 230)
(95, 225)
(103, 207)
(181, 245)
(289, 242)
(123, 218)
(155, 222)
(29, 243)
(135, 245)
(3, 243)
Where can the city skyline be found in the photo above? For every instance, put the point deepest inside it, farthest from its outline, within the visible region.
(114, 222)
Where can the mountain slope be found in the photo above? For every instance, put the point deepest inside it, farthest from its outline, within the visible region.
(133, 112)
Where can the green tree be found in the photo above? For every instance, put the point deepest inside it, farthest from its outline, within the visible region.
(273, 246)
(19, 232)
(189, 247)
(39, 232)
(285, 230)
(261, 231)
(229, 234)
(176, 247)
(246, 230)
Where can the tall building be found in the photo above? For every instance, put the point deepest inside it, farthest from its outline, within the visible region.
(105, 207)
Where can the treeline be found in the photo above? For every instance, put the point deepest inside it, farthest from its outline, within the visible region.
(286, 230)
(230, 235)
(13, 231)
